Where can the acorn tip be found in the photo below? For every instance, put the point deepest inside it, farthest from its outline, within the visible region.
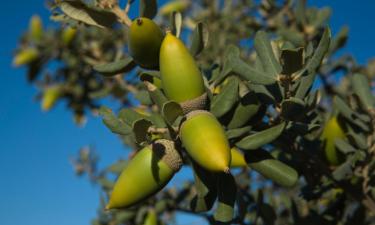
(139, 21)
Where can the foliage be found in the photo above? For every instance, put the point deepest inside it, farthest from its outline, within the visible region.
(269, 68)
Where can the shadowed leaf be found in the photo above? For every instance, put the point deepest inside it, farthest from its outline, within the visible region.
(113, 123)
(117, 67)
(199, 39)
(261, 138)
(148, 8)
(225, 100)
(264, 51)
(92, 16)
(280, 173)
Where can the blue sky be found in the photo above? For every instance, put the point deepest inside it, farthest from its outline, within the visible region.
(38, 185)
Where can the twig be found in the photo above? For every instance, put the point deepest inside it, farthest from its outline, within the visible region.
(127, 7)
(122, 15)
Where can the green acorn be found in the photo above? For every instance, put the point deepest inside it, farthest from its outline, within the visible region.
(50, 97)
(204, 139)
(181, 79)
(151, 218)
(331, 132)
(68, 35)
(36, 28)
(25, 56)
(147, 173)
(237, 158)
(144, 40)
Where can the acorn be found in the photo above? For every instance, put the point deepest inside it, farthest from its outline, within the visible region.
(25, 56)
(68, 35)
(204, 139)
(146, 174)
(151, 218)
(237, 158)
(50, 97)
(181, 79)
(36, 28)
(144, 40)
(331, 132)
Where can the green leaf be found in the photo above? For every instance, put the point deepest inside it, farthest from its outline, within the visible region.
(156, 95)
(344, 146)
(357, 138)
(339, 40)
(291, 35)
(176, 23)
(157, 120)
(143, 97)
(144, 75)
(264, 51)
(246, 109)
(199, 39)
(92, 16)
(148, 8)
(292, 60)
(140, 129)
(117, 67)
(171, 111)
(352, 116)
(292, 108)
(205, 184)
(322, 17)
(280, 173)
(227, 191)
(300, 12)
(248, 73)
(129, 116)
(113, 123)
(141, 214)
(225, 100)
(100, 93)
(238, 132)
(361, 87)
(261, 138)
(262, 93)
(105, 183)
(299, 128)
(123, 216)
(309, 72)
(231, 51)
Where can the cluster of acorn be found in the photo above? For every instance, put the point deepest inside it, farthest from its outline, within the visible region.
(200, 133)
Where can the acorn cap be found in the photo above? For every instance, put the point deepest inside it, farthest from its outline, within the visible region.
(197, 112)
(192, 114)
(197, 103)
(165, 151)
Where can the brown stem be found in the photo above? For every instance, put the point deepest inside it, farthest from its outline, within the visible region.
(122, 16)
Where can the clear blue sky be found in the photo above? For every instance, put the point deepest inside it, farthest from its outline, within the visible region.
(37, 183)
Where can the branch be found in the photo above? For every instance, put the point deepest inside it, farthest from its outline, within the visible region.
(122, 15)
